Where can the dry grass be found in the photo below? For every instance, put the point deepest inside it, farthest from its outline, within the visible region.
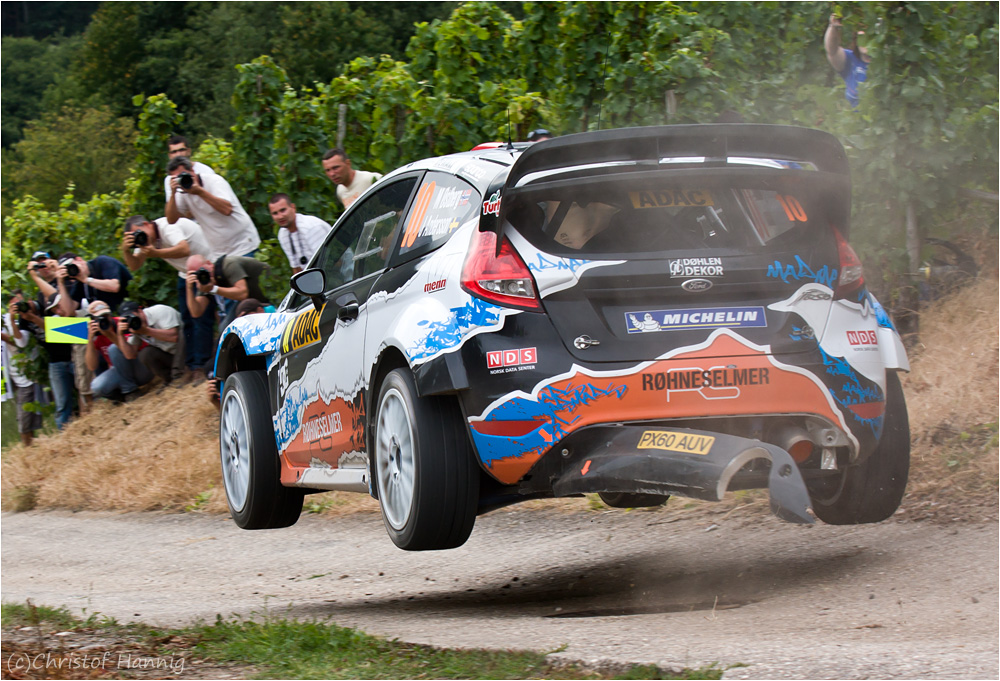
(161, 452)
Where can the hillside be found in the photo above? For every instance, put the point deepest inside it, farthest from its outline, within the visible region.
(160, 452)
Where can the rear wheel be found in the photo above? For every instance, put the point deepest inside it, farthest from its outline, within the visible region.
(871, 491)
(428, 483)
(250, 467)
(630, 500)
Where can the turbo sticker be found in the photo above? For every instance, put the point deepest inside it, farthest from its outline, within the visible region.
(671, 198)
(302, 331)
(670, 441)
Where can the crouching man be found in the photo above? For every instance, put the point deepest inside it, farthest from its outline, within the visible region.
(156, 338)
(117, 377)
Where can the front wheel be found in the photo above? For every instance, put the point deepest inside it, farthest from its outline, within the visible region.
(871, 491)
(250, 468)
(428, 482)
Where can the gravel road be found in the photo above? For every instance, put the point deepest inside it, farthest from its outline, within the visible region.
(894, 600)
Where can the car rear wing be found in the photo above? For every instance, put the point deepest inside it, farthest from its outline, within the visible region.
(676, 150)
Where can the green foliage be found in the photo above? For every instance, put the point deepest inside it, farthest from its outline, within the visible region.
(89, 148)
(157, 122)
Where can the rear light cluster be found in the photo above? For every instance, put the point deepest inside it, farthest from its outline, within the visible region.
(503, 279)
(851, 277)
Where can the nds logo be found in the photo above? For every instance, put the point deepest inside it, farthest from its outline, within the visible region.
(863, 340)
(502, 361)
(302, 331)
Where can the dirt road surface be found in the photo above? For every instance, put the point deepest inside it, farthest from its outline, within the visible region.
(894, 600)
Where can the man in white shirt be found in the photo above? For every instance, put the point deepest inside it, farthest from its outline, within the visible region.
(178, 145)
(350, 183)
(158, 326)
(174, 243)
(25, 391)
(211, 202)
(300, 235)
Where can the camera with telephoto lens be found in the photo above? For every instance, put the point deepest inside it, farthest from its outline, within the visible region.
(139, 238)
(204, 276)
(186, 180)
(133, 321)
(72, 269)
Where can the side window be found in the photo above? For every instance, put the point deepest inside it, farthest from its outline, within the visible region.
(443, 203)
(361, 244)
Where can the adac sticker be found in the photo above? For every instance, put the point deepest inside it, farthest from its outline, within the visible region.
(302, 331)
(695, 318)
(670, 441)
(671, 198)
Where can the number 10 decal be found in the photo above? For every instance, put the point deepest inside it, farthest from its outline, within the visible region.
(793, 209)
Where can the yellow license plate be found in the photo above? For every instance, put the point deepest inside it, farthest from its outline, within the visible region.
(670, 441)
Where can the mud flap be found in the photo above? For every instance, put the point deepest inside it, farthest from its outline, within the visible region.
(682, 462)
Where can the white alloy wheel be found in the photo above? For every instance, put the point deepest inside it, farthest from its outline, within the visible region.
(234, 445)
(395, 458)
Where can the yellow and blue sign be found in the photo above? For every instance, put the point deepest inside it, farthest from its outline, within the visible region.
(66, 330)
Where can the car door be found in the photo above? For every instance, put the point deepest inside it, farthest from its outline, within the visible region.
(320, 377)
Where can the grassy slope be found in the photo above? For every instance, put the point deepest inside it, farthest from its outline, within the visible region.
(160, 452)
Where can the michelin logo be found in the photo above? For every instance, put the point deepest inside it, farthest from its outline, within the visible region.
(697, 318)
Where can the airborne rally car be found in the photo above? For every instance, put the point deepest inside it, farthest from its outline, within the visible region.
(636, 313)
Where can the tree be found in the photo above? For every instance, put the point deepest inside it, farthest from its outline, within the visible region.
(89, 148)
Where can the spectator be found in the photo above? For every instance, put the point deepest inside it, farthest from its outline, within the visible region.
(156, 339)
(300, 235)
(106, 338)
(175, 243)
(178, 145)
(43, 270)
(852, 65)
(350, 183)
(15, 340)
(232, 277)
(539, 135)
(211, 202)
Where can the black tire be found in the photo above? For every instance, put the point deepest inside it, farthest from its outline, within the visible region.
(424, 467)
(251, 470)
(871, 491)
(630, 500)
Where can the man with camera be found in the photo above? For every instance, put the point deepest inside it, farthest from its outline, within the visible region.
(15, 337)
(178, 145)
(107, 336)
(44, 270)
(175, 243)
(232, 277)
(211, 202)
(156, 339)
(300, 235)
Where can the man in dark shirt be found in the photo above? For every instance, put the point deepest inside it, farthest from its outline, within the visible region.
(231, 276)
(102, 278)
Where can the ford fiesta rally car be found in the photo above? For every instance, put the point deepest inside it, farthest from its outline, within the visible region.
(636, 313)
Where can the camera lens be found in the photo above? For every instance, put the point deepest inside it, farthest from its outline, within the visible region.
(303, 260)
(186, 180)
(22, 306)
(204, 277)
(38, 266)
(104, 323)
(134, 322)
(139, 238)
(72, 269)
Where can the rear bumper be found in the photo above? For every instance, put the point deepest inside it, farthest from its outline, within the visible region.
(678, 461)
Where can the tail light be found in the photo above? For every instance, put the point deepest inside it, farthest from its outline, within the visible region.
(851, 277)
(503, 279)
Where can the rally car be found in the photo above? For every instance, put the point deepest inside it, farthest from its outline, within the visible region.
(635, 313)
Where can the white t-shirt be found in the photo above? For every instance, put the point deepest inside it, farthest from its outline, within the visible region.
(310, 232)
(159, 317)
(16, 377)
(182, 230)
(348, 194)
(199, 169)
(233, 234)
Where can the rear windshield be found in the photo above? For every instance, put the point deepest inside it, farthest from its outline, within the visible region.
(604, 219)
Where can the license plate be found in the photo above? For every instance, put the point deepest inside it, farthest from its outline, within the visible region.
(670, 441)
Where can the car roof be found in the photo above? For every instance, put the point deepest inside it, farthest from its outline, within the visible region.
(478, 167)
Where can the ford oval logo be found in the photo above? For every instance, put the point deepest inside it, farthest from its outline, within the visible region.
(695, 285)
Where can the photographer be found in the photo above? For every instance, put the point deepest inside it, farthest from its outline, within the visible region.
(106, 338)
(177, 146)
(175, 243)
(211, 202)
(79, 280)
(156, 339)
(26, 391)
(232, 277)
(43, 270)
